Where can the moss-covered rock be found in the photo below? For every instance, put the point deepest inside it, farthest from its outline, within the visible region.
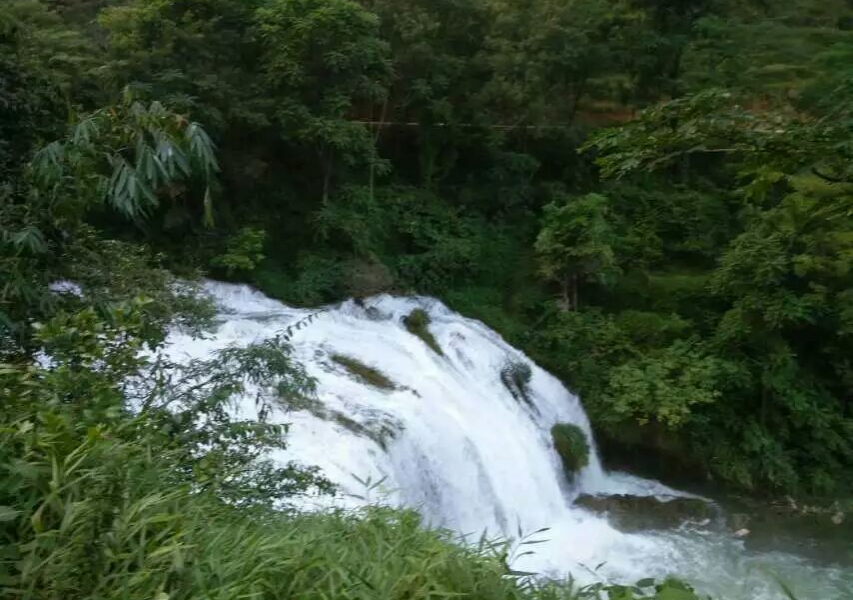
(516, 376)
(639, 513)
(572, 446)
(417, 323)
(380, 431)
(366, 278)
(364, 373)
(380, 428)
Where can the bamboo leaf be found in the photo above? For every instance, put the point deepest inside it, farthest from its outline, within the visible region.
(7, 513)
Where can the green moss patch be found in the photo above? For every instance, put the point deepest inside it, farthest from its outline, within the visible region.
(572, 446)
(417, 323)
(364, 373)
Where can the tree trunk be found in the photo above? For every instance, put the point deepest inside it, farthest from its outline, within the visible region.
(327, 177)
(575, 291)
(569, 299)
(578, 92)
(427, 160)
(374, 148)
(566, 299)
(675, 74)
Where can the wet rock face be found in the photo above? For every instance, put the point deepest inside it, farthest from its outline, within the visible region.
(640, 513)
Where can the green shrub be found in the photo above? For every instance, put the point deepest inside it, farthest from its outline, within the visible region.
(243, 252)
(364, 373)
(572, 446)
(417, 323)
(316, 279)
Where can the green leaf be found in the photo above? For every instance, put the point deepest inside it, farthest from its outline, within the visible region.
(672, 593)
(785, 589)
(7, 513)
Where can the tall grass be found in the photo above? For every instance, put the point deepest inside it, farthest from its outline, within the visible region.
(96, 517)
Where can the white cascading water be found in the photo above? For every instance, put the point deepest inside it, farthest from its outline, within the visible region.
(452, 442)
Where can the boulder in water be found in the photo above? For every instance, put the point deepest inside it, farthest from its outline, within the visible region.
(739, 520)
(639, 513)
(367, 278)
(516, 376)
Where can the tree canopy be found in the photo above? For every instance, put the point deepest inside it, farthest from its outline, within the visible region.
(677, 174)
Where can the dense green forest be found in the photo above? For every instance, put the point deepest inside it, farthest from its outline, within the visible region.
(652, 198)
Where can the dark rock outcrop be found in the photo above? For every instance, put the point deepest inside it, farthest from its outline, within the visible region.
(638, 513)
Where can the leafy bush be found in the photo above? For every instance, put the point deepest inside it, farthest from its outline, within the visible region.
(571, 444)
(575, 244)
(417, 323)
(666, 387)
(243, 251)
(425, 242)
(94, 166)
(316, 279)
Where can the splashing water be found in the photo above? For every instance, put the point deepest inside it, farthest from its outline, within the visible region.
(453, 442)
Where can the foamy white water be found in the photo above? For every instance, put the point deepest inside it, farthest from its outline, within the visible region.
(452, 442)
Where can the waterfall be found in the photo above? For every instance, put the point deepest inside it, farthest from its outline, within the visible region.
(455, 442)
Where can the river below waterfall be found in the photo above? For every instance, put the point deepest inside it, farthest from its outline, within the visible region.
(452, 441)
